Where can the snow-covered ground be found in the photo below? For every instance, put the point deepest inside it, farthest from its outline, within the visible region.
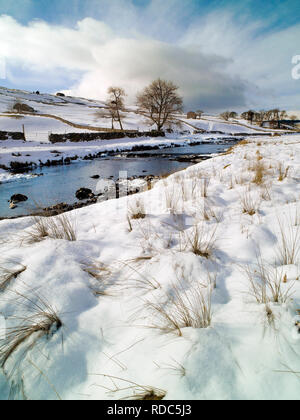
(131, 294)
(88, 114)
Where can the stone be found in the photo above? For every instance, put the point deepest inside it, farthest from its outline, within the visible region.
(84, 194)
(18, 198)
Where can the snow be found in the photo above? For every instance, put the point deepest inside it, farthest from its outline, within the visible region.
(86, 113)
(250, 350)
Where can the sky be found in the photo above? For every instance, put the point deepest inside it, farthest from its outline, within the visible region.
(222, 54)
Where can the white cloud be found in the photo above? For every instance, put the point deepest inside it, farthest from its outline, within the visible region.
(216, 63)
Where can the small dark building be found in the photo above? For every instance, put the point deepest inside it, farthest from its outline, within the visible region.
(62, 95)
(19, 107)
(191, 115)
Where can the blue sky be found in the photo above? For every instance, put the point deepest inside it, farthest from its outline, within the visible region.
(235, 53)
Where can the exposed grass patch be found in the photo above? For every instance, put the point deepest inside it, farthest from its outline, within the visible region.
(137, 392)
(249, 206)
(267, 284)
(40, 321)
(183, 308)
(288, 249)
(201, 241)
(283, 172)
(7, 275)
(259, 173)
(58, 227)
(101, 274)
(137, 210)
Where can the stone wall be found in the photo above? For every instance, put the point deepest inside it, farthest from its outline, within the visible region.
(8, 135)
(78, 137)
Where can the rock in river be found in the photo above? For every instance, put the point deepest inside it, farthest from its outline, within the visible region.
(84, 194)
(18, 198)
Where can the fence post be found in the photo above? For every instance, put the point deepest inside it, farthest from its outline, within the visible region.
(23, 126)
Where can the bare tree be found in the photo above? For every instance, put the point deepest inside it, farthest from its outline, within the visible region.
(228, 114)
(115, 104)
(249, 116)
(159, 101)
(199, 113)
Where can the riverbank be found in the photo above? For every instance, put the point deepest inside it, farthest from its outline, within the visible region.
(188, 291)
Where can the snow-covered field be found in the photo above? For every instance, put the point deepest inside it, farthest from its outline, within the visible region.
(87, 113)
(197, 300)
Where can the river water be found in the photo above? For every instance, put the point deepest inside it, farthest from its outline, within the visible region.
(59, 183)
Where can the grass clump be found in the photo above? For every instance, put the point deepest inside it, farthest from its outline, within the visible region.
(249, 206)
(183, 308)
(267, 283)
(259, 170)
(58, 227)
(101, 274)
(137, 211)
(283, 172)
(202, 242)
(137, 392)
(40, 321)
(288, 249)
(7, 275)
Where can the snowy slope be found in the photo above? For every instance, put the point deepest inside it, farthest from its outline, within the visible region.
(86, 113)
(113, 330)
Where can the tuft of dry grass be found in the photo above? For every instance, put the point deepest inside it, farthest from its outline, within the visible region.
(137, 211)
(40, 321)
(267, 283)
(138, 392)
(266, 193)
(7, 275)
(59, 227)
(283, 172)
(204, 187)
(259, 173)
(183, 308)
(142, 281)
(99, 272)
(208, 213)
(249, 206)
(288, 249)
(201, 241)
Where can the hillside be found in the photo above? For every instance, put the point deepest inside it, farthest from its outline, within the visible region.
(85, 112)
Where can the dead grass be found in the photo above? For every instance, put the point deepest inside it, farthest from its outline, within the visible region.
(267, 283)
(101, 273)
(139, 281)
(288, 249)
(249, 206)
(204, 187)
(137, 392)
(208, 213)
(201, 241)
(266, 193)
(7, 275)
(183, 308)
(137, 210)
(59, 227)
(283, 172)
(40, 321)
(260, 172)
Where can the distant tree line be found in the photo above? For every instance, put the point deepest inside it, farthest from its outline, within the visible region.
(160, 103)
(258, 117)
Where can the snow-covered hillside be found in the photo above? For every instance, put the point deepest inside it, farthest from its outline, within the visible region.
(188, 291)
(84, 112)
